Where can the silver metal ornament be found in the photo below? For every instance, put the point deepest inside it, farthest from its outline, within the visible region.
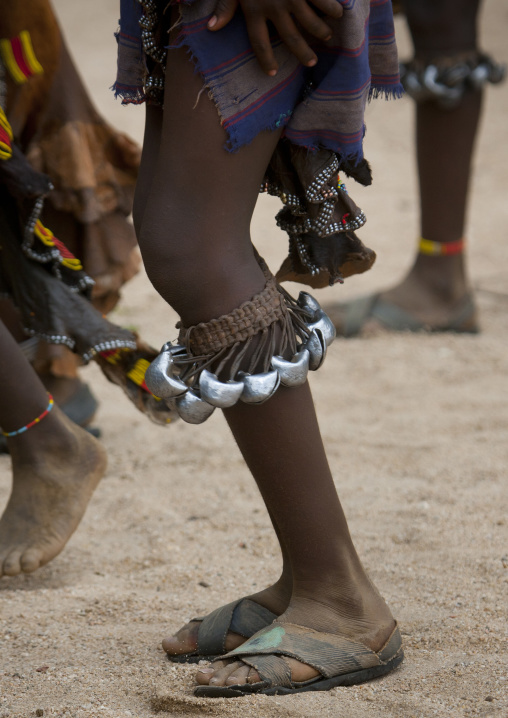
(219, 393)
(307, 301)
(159, 378)
(324, 326)
(259, 387)
(316, 347)
(192, 409)
(294, 372)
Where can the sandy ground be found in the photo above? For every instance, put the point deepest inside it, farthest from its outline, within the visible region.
(416, 430)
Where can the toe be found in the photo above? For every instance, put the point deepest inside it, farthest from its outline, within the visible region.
(30, 560)
(185, 641)
(217, 673)
(206, 672)
(11, 565)
(220, 677)
(239, 676)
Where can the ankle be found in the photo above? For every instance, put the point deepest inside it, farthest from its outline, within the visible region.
(444, 277)
(277, 596)
(54, 437)
(351, 612)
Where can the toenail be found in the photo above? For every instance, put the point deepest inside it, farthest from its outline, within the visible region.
(206, 670)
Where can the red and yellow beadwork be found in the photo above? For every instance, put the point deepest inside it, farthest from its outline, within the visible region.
(19, 57)
(5, 137)
(48, 238)
(136, 373)
(440, 249)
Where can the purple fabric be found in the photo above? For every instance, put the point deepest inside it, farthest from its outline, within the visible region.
(320, 108)
(131, 69)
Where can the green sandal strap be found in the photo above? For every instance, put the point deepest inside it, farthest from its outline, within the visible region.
(328, 653)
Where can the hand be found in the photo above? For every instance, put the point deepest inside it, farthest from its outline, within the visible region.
(287, 16)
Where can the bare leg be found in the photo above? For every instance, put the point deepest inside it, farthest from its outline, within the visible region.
(444, 144)
(56, 466)
(196, 245)
(276, 597)
(436, 286)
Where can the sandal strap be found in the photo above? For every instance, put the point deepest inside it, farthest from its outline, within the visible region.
(272, 669)
(250, 617)
(243, 616)
(328, 653)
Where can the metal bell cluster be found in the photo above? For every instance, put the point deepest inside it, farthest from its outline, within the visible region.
(196, 403)
(447, 86)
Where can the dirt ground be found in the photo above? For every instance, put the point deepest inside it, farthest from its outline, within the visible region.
(416, 431)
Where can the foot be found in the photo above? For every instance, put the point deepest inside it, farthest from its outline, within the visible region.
(365, 619)
(275, 599)
(433, 295)
(54, 476)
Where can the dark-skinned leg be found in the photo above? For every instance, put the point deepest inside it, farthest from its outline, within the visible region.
(445, 139)
(275, 597)
(436, 287)
(196, 244)
(331, 591)
(55, 464)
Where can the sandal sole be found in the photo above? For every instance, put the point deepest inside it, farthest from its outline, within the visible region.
(325, 684)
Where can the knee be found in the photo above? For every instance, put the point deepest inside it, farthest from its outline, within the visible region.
(196, 278)
(442, 27)
(138, 208)
(169, 267)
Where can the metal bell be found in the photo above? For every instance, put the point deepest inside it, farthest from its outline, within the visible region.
(192, 409)
(324, 326)
(294, 372)
(219, 393)
(173, 348)
(317, 350)
(159, 378)
(306, 301)
(259, 387)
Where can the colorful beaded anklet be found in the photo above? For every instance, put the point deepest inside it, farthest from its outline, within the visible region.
(440, 249)
(46, 411)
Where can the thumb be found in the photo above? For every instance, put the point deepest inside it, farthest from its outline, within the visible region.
(223, 13)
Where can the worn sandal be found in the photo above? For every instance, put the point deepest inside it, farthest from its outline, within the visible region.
(340, 661)
(243, 616)
(350, 318)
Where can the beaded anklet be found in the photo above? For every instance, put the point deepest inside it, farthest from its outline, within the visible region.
(440, 249)
(46, 411)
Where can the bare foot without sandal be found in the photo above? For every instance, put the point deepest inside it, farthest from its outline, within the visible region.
(51, 490)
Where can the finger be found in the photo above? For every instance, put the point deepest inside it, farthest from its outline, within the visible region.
(223, 13)
(311, 22)
(260, 43)
(292, 38)
(332, 8)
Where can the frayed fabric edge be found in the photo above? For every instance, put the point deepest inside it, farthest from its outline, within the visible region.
(234, 144)
(129, 95)
(387, 92)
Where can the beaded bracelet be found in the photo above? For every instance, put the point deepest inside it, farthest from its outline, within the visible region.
(440, 249)
(46, 411)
